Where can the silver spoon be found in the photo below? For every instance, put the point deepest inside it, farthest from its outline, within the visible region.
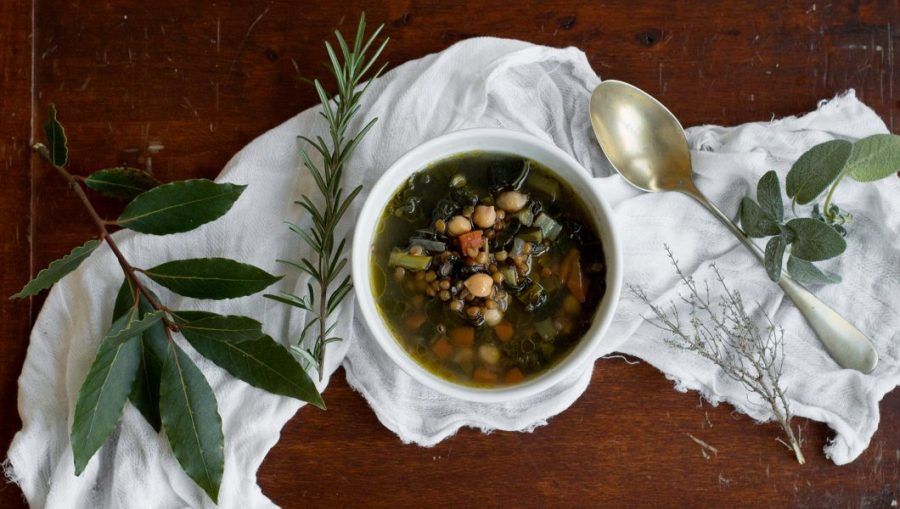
(647, 146)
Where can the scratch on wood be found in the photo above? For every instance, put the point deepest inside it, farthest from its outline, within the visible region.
(246, 37)
(218, 34)
(704, 446)
(890, 71)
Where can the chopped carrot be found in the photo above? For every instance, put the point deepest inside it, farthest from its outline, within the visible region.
(441, 348)
(504, 331)
(470, 240)
(514, 376)
(484, 376)
(573, 275)
(415, 320)
(462, 336)
(566, 267)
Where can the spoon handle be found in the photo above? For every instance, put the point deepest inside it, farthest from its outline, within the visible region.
(849, 347)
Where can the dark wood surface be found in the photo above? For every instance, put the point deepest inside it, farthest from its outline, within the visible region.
(182, 85)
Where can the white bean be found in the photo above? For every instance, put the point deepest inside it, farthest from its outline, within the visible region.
(484, 216)
(479, 285)
(512, 201)
(489, 354)
(493, 316)
(459, 225)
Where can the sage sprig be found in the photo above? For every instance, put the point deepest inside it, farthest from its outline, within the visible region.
(137, 359)
(329, 284)
(821, 235)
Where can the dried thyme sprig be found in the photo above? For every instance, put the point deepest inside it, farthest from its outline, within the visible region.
(327, 289)
(724, 334)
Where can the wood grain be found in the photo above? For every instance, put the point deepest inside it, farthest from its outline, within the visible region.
(180, 86)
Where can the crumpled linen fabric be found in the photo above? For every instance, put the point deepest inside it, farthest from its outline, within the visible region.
(482, 82)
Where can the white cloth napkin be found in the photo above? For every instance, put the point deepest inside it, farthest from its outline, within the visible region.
(478, 82)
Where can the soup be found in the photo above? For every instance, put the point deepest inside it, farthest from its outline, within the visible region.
(487, 268)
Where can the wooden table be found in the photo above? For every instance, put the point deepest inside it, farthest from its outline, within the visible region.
(181, 85)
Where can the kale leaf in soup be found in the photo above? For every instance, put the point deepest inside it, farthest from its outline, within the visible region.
(487, 268)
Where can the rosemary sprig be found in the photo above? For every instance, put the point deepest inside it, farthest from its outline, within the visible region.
(325, 267)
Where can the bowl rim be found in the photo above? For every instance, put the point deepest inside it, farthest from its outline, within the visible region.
(437, 149)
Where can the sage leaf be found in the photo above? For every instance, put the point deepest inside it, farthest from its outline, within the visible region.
(121, 182)
(816, 169)
(57, 270)
(874, 157)
(190, 418)
(807, 273)
(222, 328)
(145, 389)
(179, 206)
(261, 362)
(211, 278)
(773, 257)
(103, 394)
(57, 144)
(814, 240)
(755, 221)
(768, 193)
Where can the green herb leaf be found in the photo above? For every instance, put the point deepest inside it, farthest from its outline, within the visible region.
(768, 192)
(57, 144)
(121, 182)
(221, 328)
(755, 221)
(57, 270)
(153, 342)
(103, 394)
(816, 170)
(211, 278)
(135, 324)
(261, 362)
(190, 417)
(179, 206)
(815, 240)
(807, 273)
(774, 256)
(874, 157)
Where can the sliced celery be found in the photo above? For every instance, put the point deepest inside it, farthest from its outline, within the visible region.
(408, 261)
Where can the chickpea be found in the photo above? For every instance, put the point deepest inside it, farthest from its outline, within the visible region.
(445, 295)
(482, 258)
(490, 304)
(497, 277)
(473, 311)
(430, 276)
(459, 225)
(430, 292)
(489, 354)
(512, 201)
(445, 284)
(416, 250)
(472, 252)
(484, 216)
(501, 255)
(456, 305)
(501, 215)
(479, 285)
(399, 272)
(440, 226)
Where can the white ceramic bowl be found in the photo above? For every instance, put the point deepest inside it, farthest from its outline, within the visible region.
(499, 141)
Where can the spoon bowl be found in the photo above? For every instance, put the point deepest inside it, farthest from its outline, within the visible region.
(647, 146)
(641, 138)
